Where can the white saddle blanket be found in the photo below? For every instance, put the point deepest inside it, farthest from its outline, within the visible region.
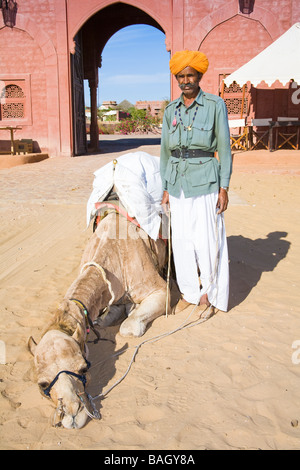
(136, 179)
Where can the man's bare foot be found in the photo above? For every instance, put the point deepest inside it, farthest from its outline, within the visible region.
(204, 300)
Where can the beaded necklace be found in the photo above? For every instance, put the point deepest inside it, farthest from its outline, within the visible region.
(186, 128)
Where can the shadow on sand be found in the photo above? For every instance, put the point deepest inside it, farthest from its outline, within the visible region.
(249, 259)
(103, 357)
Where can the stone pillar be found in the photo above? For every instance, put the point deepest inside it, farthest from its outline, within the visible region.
(94, 129)
(178, 40)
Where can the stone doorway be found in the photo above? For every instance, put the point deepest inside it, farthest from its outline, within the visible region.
(94, 35)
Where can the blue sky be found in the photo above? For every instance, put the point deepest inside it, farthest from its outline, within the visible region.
(135, 66)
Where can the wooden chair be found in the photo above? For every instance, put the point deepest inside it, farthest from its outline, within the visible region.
(285, 135)
(261, 135)
(238, 134)
(23, 146)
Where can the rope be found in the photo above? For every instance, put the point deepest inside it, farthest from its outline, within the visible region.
(169, 333)
(169, 261)
(150, 340)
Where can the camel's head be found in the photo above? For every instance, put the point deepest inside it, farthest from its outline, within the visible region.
(61, 374)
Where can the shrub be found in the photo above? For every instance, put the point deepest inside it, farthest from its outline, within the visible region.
(140, 121)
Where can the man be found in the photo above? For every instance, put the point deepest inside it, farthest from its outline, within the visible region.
(196, 184)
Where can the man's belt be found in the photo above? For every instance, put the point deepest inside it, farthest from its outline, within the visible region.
(190, 153)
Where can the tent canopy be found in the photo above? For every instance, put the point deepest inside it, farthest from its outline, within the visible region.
(279, 61)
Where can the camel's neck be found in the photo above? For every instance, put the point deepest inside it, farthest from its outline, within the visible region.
(92, 290)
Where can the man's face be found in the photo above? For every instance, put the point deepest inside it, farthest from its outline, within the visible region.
(188, 81)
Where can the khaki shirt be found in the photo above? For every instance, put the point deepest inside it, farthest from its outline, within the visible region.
(205, 128)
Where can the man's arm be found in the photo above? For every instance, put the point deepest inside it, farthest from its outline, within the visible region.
(224, 153)
(223, 200)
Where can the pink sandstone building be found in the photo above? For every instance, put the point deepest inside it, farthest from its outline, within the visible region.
(51, 46)
(153, 107)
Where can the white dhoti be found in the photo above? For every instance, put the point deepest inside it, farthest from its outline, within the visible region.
(199, 246)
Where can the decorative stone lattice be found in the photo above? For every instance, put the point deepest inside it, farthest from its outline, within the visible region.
(13, 100)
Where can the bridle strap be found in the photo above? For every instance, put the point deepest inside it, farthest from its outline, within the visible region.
(89, 323)
(82, 378)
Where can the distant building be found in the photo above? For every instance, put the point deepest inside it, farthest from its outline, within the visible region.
(153, 107)
(114, 115)
(108, 105)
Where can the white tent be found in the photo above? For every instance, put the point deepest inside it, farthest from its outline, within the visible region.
(279, 61)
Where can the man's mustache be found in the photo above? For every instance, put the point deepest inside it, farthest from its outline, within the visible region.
(188, 85)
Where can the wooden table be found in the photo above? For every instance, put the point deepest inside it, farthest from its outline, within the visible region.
(11, 129)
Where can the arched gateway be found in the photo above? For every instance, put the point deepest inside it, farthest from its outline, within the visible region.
(53, 45)
(89, 43)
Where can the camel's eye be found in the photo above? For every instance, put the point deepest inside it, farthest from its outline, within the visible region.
(83, 370)
(43, 384)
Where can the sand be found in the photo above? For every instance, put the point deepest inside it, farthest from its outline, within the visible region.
(231, 382)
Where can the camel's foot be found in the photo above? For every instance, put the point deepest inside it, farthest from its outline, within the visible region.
(143, 314)
(132, 327)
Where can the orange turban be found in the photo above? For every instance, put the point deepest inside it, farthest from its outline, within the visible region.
(183, 59)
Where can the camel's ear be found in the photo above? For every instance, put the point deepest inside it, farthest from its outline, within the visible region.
(78, 333)
(31, 345)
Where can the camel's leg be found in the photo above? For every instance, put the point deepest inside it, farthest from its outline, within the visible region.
(150, 308)
(114, 315)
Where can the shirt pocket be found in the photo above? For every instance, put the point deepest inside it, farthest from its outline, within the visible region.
(202, 171)
(171, 170)
(174, 137)
(202, 135)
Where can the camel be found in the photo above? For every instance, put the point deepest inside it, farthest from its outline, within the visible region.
(118, 274)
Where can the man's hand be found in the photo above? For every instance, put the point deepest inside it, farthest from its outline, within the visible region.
(165, 202)
(223, 199)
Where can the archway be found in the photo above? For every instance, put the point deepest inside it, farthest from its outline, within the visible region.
(252, 38)
(85, 62)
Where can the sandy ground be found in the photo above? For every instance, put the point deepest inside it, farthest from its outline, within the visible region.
(229, 383)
